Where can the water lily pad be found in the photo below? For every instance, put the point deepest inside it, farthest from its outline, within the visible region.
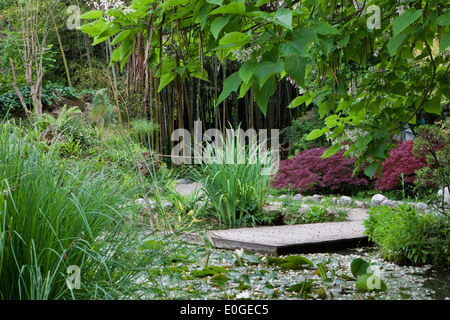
(301, 287)
(275, 261)
(219, 279)
(290, 266)
(370, 282)
(299, 260)
(208, 271)
(359, 267)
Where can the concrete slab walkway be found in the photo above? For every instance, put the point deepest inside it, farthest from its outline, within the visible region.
(286, 239)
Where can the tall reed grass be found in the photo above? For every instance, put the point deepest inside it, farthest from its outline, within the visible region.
(52, 218)
(233, 177)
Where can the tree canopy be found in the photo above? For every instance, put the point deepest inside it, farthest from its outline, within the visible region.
(369, 66)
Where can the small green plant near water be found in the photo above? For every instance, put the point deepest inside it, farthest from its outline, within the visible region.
(408, 236)
(231, 177)
(324, 212)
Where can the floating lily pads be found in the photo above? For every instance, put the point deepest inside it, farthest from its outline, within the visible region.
(370, 282)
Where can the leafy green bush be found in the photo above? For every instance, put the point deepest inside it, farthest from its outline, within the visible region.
(314, 214)
(433, 144)
(294, 136)
(407, 236)
(52, 218)
(142, 130)
(66, 130)
(9, 101)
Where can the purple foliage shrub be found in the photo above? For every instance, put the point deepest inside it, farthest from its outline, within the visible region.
(308, 172)
(401, 162)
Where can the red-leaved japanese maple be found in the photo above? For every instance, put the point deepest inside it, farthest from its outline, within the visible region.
(401, 162)
(308, 172)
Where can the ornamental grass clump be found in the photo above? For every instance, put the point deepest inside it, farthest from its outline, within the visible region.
(234, 179)
(54, 221)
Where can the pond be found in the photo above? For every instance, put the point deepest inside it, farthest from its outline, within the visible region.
(197, 272)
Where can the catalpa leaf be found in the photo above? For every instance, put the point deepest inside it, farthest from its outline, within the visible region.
(283, 17)
(231, 84)
(405, 20)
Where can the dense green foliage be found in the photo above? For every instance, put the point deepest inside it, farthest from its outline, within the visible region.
(370, 81)
(433, 144)
(407, 236)
(79, 180)
(52, 217)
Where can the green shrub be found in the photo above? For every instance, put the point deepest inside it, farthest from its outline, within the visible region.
(10, 102)
(294, 139)
(66, 131)
(315, 214)
(433, 144)
(407, 236)
(142, 130)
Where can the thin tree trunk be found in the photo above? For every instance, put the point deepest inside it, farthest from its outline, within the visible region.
(62, 50)
(16, 89)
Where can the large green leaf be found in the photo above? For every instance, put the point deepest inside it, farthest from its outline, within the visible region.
(325, 28)
(335, 148)
(262, 94)
(314, 134)
(267, 69)
(359, 267)
(444, 42)
(380, 150)
(232, 39)
(121, 36)
(395, 43)
(433, 105)
(115, 56)
(283, 17)
(219, 280)
(301, 287)
(362, 142)
(231, 84)
(250, 258)
(444, 19)
(93, 14)
(372, 168)
(370, 282)
(173, 3)
(165, 80)
(245, 87)
(217, 25)
(299, 260)
(234, 7)
(295, 67)
(93, 28)
(247, 70)
(405, 20)
(299, 100)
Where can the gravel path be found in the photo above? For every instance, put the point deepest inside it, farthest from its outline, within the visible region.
(187, 188)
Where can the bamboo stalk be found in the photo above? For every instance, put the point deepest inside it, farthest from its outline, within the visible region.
(62, 50)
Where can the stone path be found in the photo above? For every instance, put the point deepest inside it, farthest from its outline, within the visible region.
(301, 238)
